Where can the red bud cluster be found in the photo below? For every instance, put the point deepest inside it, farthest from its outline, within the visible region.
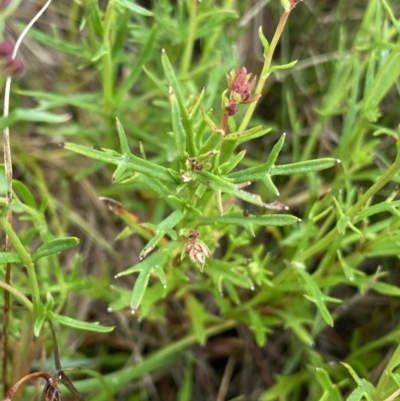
(240, 87)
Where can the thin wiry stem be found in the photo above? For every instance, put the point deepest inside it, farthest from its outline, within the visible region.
(9, 197)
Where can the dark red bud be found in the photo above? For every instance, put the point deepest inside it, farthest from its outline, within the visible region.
(6, 48)
(231, 109)
(14, 67)
(293, 3)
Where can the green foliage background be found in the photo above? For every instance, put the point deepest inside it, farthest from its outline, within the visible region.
(286, 295)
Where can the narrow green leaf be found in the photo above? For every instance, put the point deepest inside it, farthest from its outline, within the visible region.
(161, 229)
(38, 324)
(54, 42)
(238, 219)
(315, 295)
(384, 80)
(232, 163)
(170, 74)
(130, 5)
(262, 172)
(197, 105)
(347, 269)
(78, 324)
(247, 135)
(139, 289)
(9, 257)
(257, 326)
(198, 316)
(208, 120)
(225, 271)
(217, 183)
(102, 51)
(160, 84)
(304, 167)
(356, 395)
(158, 269)
(275, 151)
(54, 246)
(32, 115)
(131, 162)
(378, 208)
(389, 12)
(263, 41)
(296, 324)
(331, 391)
(94, 17)
(86, 101)
(179, 132)
(134, 74)
(123, 141)
(186, 387)
(281, 67)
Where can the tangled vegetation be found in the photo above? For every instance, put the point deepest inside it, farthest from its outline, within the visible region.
(199, 200)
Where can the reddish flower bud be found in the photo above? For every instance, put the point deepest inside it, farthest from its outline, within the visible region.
(231, 109)
(293, 3)
(239, 85)
(14, 67)
(4, 4)
(6, 48)
(289, 5)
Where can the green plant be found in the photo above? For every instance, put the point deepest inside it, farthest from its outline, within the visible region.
(215, 259)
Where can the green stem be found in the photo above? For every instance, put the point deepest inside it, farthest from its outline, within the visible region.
(188, 52)
(264, 73)
(211, 40)
(21, 297)
(107, 73)
(229, 147)
(153, 362)
(26, 261)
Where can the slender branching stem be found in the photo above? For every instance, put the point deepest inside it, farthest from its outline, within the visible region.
(9, 197)
(264, 73)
